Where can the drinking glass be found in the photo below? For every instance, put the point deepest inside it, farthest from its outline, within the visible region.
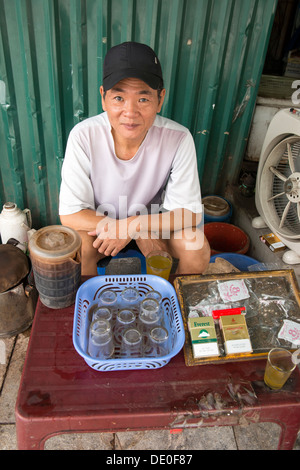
(109, 298)
(154, 294)
(158, 342)
(159, 263)
(149, 316)
(102, 313)
(130, 299)
(278, 368)
(125, 319)
(132, 344)
(101, 344)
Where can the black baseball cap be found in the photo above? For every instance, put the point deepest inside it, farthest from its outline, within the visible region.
(132, 60)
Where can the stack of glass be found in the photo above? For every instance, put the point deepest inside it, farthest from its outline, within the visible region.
(128, 326)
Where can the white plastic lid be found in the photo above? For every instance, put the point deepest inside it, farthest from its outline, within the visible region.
(54, 241)
(215, 206)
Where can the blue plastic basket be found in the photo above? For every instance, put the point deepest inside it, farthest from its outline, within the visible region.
(89, 293)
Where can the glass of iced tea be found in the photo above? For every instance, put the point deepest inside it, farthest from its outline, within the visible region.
(279, 367)
(159, 263)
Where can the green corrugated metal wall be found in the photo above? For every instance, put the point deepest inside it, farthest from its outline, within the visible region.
(51, 52)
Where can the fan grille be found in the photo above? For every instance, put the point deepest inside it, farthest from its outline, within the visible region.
(280, 202)
(279, 191)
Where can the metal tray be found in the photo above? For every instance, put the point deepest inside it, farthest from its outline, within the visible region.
(274, 296)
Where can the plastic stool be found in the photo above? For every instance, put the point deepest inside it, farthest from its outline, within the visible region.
(133, 259)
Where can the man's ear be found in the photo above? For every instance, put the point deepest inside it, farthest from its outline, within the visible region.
(161, 99)
(102, 93)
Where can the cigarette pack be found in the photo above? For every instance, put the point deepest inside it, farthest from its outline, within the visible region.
(203, 337)
(235, 334)
(273, 242)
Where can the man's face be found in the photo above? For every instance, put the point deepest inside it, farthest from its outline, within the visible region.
(131, 106)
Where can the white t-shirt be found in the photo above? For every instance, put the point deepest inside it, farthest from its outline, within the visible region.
(162, 174)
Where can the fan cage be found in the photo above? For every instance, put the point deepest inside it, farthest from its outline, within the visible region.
(292, 222)
(273, 197)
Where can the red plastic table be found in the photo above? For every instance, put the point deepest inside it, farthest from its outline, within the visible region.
(60, 393)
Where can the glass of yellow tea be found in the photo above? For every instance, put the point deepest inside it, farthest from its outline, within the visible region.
(159, 263)
(279, 367)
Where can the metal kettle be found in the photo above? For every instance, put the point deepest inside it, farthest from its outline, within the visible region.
(18, 295)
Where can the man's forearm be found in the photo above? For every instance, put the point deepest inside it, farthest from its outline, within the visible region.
(167, 222)
(161, 224)
(85, 220)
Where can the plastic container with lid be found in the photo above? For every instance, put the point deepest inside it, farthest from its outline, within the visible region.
(55, 253)
(216, 209)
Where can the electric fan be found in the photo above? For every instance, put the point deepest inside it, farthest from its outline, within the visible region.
(277, 196)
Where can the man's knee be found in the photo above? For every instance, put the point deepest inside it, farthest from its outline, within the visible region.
(192, 249)
(146, 245)
(190, 239)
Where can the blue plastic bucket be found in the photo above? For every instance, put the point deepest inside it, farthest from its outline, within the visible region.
(241, 262)
(216, 209)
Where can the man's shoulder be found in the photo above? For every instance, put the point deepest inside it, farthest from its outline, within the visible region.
(100, 120)
(166, 123)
